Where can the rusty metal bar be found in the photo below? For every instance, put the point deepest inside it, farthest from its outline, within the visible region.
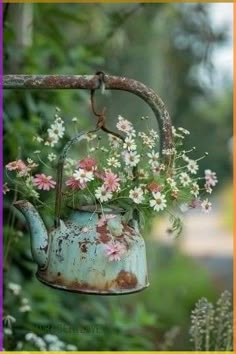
(92, 82)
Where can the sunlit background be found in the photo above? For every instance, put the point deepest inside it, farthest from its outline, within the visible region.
(184, 52)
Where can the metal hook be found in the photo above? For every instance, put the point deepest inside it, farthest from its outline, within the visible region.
(101, 116)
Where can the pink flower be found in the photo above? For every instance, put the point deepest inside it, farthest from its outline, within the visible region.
(210, 178)
(88, 164)
(114, 250)
(154, 187)
(17, 165)
(111, 181)
(73, 184)
(44, 182)
(104, 218)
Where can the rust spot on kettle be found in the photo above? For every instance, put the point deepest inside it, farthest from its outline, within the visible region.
(126, 280)
(83, 247)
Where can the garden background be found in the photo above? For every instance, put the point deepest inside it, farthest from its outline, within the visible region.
(172, 48)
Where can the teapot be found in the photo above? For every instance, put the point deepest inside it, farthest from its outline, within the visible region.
(72, 256)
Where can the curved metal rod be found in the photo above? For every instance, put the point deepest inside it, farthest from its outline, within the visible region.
(91, 82)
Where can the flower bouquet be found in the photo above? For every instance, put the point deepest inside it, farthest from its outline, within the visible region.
(127, 172)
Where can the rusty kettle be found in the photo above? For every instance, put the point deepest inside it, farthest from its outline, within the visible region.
(72, 256)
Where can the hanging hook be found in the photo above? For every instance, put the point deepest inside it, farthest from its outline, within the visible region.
(101, 115)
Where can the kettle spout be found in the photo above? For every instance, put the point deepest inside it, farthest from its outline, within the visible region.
(38, 232)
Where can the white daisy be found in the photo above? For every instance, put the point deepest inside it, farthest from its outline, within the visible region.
(52, 157)
(147, 140)
(103, 194)
(195, 189)
(136, 195)
(159, 201)
(114, 141)
(56, 130)
(206, 206)
(192, 166)
(83, 176)
(129, 144)
(131, 158)
(153, 156)
(113, 162)
(184, 178)
(156, 167)
(171, 182)
(124, 125)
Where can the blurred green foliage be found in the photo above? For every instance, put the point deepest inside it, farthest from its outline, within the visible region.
(164, 46)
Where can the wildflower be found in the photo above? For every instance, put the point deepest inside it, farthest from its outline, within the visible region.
(57, 129)
(169, 151)
(41, 181)
(111, 181)
(195, 203)
(185, 180)
(37, 152)
(129, 144)
(17, 165)
(114, 250)
(147, 140)
(208, 188)
(114, 141)
(83, 176)
(14, 288)
(74, 119)
(103, 194)
(153, 134)
(175, 134)
(88, 164)
(113, 162)
(131, 158)
(154, 187)
(8, 321)
(184, 131)
(195, 189)
(171, 182)
(52, 157)
(210, 178)
(192, 166)
(104, 218)
(206, 206)
(51, 141)
(5, 188)
(124, 125)
(156, 167)
(142, 174)
(159, 201)
(37, 138)
(74, 184)
(153, 156)
(25, 307)
(136, 195)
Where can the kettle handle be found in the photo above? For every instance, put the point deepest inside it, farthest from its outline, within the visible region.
(60, 166)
